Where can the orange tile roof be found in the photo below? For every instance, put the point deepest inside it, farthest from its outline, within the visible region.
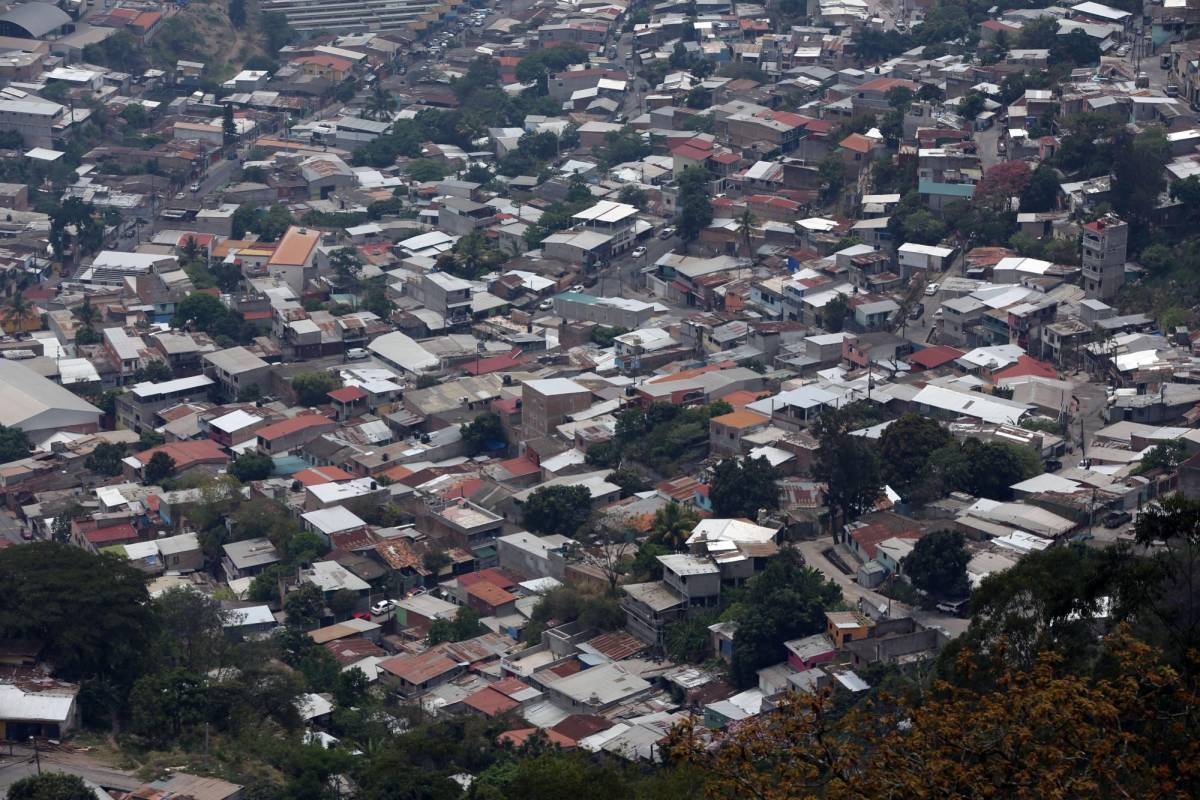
(857, 143)
(184, 454)
(315, 476)
(520, 736)
(295, 248)
(740, 419)
(293, 425)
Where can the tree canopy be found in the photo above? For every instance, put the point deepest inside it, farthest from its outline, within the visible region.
(938, 564)
(742, 487)
(557, 509)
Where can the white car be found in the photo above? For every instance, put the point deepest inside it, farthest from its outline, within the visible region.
(357, 354)
(931, 289)
(638, 252)
(546, 305)
(383, 607)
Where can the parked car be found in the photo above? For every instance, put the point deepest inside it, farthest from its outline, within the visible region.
(638, 252)
(357, 354)
(546, 305)
(1117, 518)
(195, 188)
(666, 233)
(917, 312)
(383, 607)
(932, 289)
(361, 615)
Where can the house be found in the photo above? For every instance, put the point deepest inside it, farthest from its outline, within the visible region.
(248, 558)
(237, 370)
(726, 431)
(137, 408)
(203, 455)
(413, 674)
(294, 259)
(810, 652)
(843, 627)
(292, 434)
(598, 689)
(33, 705)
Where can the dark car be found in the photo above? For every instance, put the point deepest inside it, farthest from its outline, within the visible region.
(1117, 518)
(917, 312)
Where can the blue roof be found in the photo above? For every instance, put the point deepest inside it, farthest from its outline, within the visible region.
(965, 190)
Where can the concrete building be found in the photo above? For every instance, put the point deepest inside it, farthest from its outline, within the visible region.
(41, 123)
(545, 404)
(136, 408)
(1103, 261)
(237, 369)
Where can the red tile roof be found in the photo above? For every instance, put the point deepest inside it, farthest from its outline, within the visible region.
(184, 454)
(347, 394)
(108, 535)
(490, 594)
(934, 357)
(489, 702)
(293, 425)
(870, 536)
(419, 668)
(1026, 365)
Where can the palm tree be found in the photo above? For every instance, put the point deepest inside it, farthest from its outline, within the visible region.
(470, 255)
(746, 223)
(380, 104)
(86, 312)
(19, 310)
(672, 525)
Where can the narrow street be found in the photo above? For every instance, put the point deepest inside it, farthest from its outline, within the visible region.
(811, 550)
(21, 764)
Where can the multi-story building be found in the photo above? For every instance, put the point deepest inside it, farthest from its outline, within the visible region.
(545, 404)
(41, 123)
(1104, 244)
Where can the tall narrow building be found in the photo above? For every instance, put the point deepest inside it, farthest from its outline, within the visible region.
(1104, 244)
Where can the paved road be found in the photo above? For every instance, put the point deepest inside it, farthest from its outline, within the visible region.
(811, 550)
(619, 279)
(21, 765)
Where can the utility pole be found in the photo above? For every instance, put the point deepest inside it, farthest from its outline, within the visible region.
(37, 756)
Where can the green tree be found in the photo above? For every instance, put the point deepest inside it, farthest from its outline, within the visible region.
(938, 564)
(304, 607)
(342, 602)
(785, 601)
(832, 172)
(381, 104)
(557, 509)
(672, 525)
(313, 388)
(904, 451)
(91, 613)
(155, 371)
(200, 311)
(848, 466)
(251, 466)
(695, 206)
(633, 195)
(14, 444)
(1138, 176)
(106, 458)
(1041, 194)
(237, 13)
(834, 314)
(630, 481)
(228, 125)
(75, 229)
(746, 222)
(971, 105)
(465, 625)
(485, 433)
(742, 487)
(190, 627)
(160, 467)
(425, 170)
(50, 786)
